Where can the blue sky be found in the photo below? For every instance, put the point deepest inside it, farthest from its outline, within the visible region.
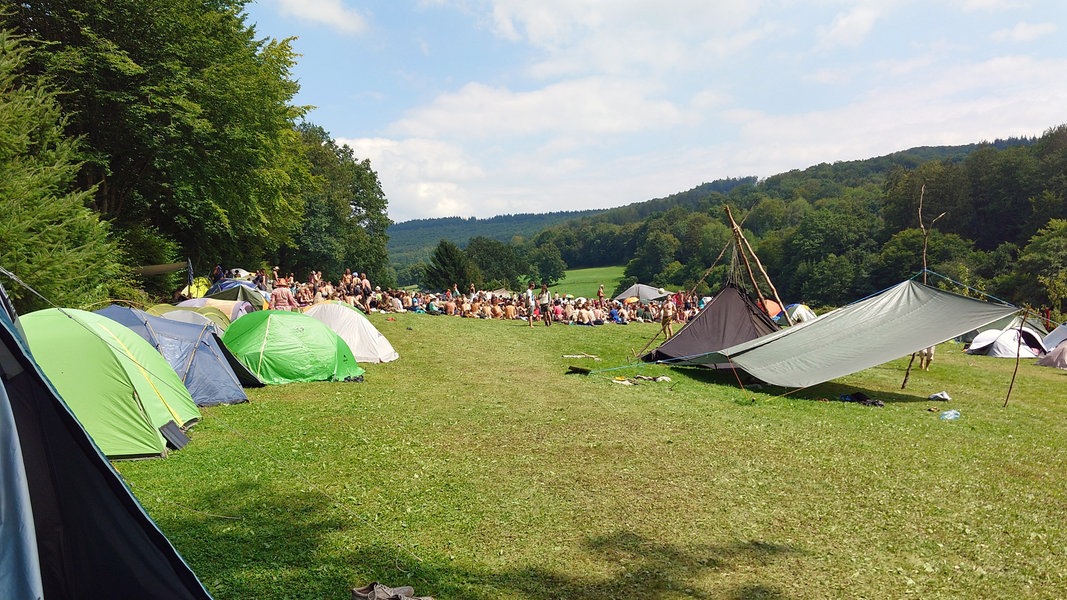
(487, 107)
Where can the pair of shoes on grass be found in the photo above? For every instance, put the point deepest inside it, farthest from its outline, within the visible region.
(377, 591)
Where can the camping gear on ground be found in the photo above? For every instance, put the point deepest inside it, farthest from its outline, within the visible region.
(192, 314)
(234, 309)
(1008, 343)
(363, 338)
(896, 322)
(194, 352)
(643, 293)
(1057, 357)
(285, 347)
(731, 318)
(123, 392)
(70, 528)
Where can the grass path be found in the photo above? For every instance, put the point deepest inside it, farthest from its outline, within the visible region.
(474, 468)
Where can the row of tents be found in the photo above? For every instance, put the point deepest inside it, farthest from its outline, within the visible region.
(137, 380)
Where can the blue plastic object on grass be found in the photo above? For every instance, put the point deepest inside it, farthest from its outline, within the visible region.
(950, 415)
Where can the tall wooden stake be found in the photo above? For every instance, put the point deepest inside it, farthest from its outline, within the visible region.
(926, 242)
(742, 245)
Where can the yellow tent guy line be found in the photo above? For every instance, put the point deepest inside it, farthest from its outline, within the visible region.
(145, 374)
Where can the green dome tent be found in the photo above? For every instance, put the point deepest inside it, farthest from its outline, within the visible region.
(285, 347)
(121, 390)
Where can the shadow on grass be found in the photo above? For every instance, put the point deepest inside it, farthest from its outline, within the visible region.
(284, 545)
(649, 569)
(823, 391)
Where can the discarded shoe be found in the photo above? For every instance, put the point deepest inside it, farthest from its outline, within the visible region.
(377, 591)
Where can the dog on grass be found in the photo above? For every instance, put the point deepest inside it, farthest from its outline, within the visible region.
(926, 356)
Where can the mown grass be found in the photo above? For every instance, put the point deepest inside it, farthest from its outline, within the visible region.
(583, 283)
(474, 467)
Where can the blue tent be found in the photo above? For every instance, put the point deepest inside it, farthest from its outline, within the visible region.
(193, 351)
(69, 527)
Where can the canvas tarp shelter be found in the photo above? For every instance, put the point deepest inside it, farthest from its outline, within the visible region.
(122, 391)
(899, 321)
(644, 293)
(194, 352)
(729, 319)
(367, 344)
(285, 347)
(69, 527)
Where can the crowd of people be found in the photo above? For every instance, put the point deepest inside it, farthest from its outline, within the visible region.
(535, 305)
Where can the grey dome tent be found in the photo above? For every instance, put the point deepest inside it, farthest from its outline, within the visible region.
(644, 293)
(194, 352)
(729, 319)
(70, 528)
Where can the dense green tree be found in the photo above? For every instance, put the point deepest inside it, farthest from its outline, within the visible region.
(449, 266)
(500, 265)
(901, 256)
(51, 240)
(653, 255)
(186, 117)
(548, 263)
(345, 221)
(1042, 267)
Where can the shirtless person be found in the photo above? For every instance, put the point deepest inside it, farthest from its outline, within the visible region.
(667, 318)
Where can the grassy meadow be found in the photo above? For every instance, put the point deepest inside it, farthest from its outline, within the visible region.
(583, 283)
(475, 468)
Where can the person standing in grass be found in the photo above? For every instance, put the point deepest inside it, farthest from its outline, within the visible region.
(667, 317)
(531, 302)
(545, 300)
(600, 295)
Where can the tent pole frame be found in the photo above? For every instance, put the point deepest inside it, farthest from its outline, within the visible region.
(743, 245)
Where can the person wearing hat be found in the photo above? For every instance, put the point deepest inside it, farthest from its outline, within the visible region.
(282, 298)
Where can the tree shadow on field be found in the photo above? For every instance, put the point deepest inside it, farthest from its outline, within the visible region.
(648, 569)
(262, 542)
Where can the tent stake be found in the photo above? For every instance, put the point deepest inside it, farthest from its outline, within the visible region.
(908, 371)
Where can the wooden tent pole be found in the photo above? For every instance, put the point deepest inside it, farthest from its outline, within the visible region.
(742, 243)
(738, 236)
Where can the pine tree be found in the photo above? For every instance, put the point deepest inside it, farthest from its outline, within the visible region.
(51, 240)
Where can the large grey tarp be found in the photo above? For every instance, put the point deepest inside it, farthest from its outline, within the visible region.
(903, 319)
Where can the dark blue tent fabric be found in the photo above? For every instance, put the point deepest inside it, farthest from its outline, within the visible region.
(70, 527)
(226, 284)
(192, 350)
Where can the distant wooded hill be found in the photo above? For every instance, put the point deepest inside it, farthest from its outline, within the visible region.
(412, 241)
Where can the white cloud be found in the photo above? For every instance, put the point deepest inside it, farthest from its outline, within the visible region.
(1024, 32)
(596, 105)
(420, 177)
(851, 28)
(332, 13)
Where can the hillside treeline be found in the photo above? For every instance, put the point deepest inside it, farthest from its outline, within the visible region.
(837, 232)
(137, 132)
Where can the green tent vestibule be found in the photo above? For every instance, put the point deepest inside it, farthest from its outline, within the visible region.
(117, 385)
